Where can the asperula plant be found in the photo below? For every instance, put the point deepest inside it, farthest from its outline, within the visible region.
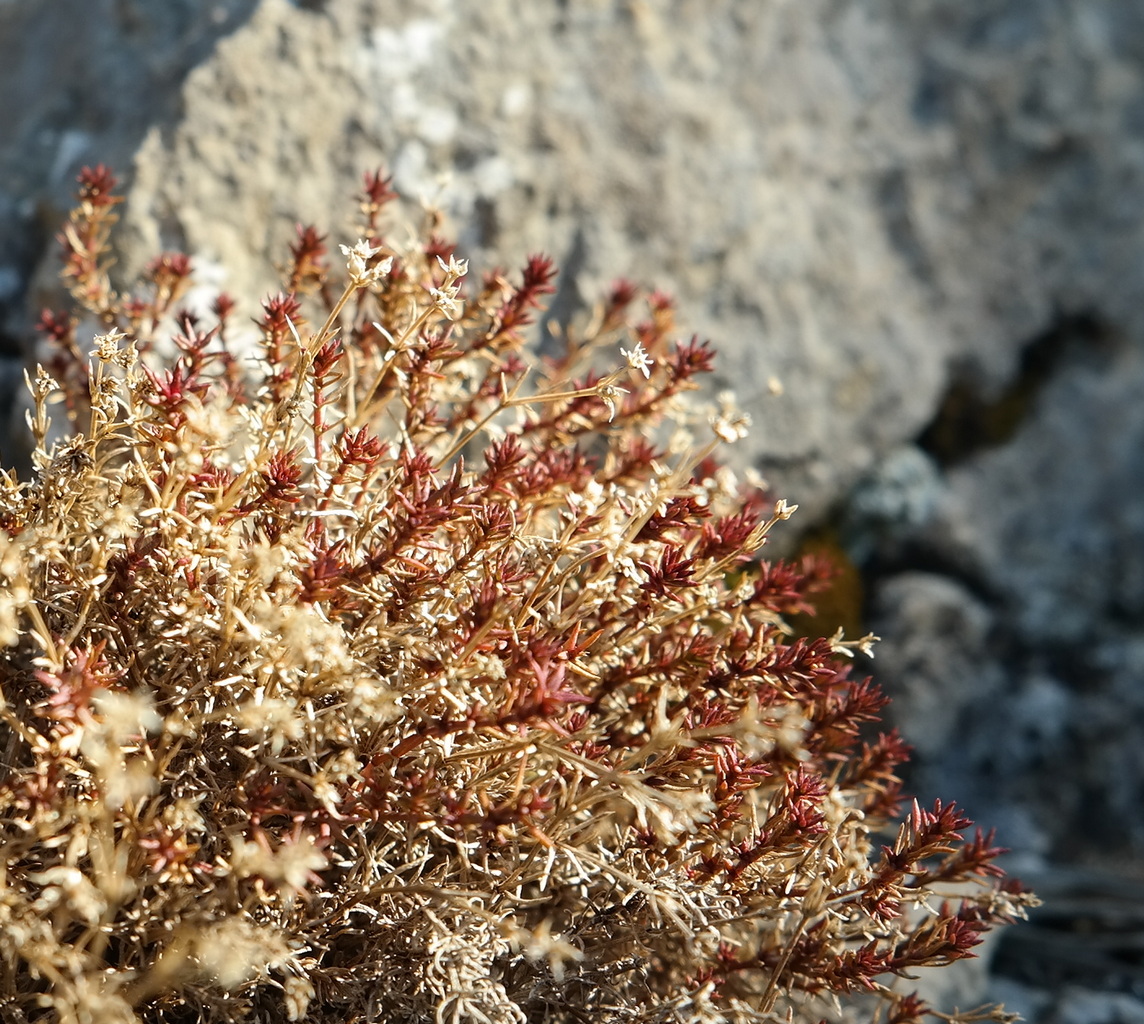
(375, 667)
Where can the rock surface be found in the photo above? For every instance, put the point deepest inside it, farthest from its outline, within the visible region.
(922, 216)
(1035, 653)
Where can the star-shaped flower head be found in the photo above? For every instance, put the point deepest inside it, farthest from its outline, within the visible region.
(638, 359)
(358, 257)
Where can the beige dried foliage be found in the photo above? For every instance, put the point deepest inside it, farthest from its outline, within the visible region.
(397, 674)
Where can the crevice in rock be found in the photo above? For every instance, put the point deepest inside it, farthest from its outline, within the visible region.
(969, 421)
(895, 202)
(915, 556)
(11, 346)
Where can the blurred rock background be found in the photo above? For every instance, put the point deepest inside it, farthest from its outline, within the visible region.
(923, 216)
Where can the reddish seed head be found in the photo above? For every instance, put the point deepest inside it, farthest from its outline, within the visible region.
(223, 306)
(169, 268)
(279, 309)
(56, 326)
(96, 185)
(379, 188)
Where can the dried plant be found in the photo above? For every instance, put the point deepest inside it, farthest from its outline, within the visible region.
(367, 673)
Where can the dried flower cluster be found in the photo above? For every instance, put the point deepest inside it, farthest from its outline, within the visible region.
(369, 674)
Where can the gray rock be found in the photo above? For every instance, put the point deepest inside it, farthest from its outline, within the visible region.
(1054, 520)
(1031, 1003)
(81, 81)
(934, 659)
(890, 504)
(1049, 530)
(1084, 1006)
(852, 195)
(14, 452)
(629, 143)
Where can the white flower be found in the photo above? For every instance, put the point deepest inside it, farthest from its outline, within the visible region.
(681, 441)
(543, 944)
(609, 394)
(45, 383)
(298, 993)
(357, 263)
(270, 717)
(454, 268)
(445, 299)
(70, 887)
(589, 501)
(107, 345)
(755, 479)
(125, 715)
(731, 423)
(638, 359)
(358, 257)
(783, 510)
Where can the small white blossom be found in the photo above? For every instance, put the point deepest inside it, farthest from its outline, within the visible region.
(783, 510)
(726, 482)
(865, 644)
(236, 950)
(357, 263)
(107, 345)
(358, 257)
(124, 715)
(638, 359)
(609, 394)
(275, 719)
(455, 268)
(44, 384)
(445, 299)
(589, 501)
(731, 424)
(68, 886)
(298, 994)
(753, 478)
(541, 943)
(681, 441)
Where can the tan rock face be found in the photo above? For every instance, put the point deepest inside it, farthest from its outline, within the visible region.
(817, 182)
(729, 156)
(731, 153)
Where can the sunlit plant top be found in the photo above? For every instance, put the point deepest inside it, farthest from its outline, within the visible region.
(383, 670)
